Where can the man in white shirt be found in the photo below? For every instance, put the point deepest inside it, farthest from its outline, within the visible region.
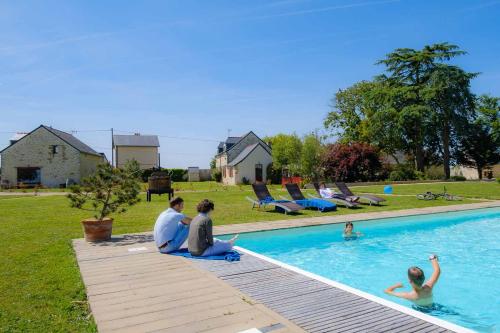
(172, 227)
(326, 192)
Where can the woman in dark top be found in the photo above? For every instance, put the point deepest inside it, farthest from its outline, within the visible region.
(201, 242)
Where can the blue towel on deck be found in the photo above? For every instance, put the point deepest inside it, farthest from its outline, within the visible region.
(228, 256)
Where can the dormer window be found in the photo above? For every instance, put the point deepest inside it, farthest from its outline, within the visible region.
(55, 149)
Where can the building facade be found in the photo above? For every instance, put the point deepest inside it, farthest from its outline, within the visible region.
(142, 148)
(243, 159)
(47, 157)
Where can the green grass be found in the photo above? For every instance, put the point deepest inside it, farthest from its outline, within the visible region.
(469, 189)
(41, 289)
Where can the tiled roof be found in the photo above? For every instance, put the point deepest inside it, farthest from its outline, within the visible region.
(136, 140)
(71, 140)
(244, 153)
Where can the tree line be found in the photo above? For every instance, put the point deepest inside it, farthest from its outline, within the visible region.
(423, 106)
(420, 111)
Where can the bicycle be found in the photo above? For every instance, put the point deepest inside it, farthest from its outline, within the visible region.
(433, 196)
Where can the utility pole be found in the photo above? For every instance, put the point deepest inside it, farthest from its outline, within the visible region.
(112, 149)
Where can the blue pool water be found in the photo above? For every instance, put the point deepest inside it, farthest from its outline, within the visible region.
(467, 244)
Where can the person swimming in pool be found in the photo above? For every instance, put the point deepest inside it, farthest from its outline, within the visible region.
(421, 293)
(349, 233)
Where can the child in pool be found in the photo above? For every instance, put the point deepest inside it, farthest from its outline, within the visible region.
(349, 233)
(421, 293)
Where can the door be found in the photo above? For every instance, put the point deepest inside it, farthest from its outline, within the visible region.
(28, 176)
(258, 172)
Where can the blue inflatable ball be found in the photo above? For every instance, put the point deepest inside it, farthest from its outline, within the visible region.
(388, 189)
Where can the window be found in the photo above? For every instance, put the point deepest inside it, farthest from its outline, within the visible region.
(223, 172)
(230, 171)
(54, 149)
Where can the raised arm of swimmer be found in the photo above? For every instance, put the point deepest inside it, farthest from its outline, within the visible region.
(436, 273)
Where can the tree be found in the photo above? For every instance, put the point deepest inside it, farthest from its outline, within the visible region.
(489, 108)
(410, 68)
(108, 190)
(449, 96)
(311, 156)
(286, 151)
(349, 112)
(480, 146)
(419, 106)
(351, 162)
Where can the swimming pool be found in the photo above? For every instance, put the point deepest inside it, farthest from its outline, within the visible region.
(467, 243)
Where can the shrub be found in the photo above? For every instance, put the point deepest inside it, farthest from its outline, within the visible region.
(108, 190)
(273, 175)
(435, 172)
(351, 162)
(176, 175)
(245, 181)
(403, 172)
(458, 178)
(216, 175)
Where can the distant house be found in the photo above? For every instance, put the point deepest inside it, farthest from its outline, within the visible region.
(142, 148)
(48, 157)
(245, 157)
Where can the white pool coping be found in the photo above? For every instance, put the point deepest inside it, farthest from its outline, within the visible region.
(440, 322)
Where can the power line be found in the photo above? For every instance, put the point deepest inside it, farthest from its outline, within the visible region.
(187, 138)
(75, 131)
(85, 131)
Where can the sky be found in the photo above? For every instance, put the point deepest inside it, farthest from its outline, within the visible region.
(193, 71)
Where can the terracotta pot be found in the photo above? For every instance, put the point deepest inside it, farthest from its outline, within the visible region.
(97, 230)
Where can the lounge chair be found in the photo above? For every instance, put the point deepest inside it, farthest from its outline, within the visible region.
(337, 198)
(372, 199)
(319, 204)
(264, 198)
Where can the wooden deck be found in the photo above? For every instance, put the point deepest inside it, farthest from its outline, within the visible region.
(133, 288)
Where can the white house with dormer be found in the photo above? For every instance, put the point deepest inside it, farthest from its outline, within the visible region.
(243, 158)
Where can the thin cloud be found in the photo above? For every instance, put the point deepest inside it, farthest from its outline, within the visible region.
(78, 38)
(57, 41)
(323, 9)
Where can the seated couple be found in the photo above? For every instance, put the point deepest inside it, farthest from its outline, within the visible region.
(172, 228)
(328, 193)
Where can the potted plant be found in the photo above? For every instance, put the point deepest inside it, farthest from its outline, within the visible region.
(107, 191)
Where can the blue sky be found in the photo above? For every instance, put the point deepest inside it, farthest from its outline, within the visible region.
(194, 69)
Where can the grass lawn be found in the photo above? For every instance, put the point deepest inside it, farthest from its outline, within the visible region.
(469, 189)
(41, 288)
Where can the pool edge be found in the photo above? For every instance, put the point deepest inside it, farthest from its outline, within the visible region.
(241, 228)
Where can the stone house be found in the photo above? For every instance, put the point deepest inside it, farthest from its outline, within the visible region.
(142, 148)
(243, 158)
(47, 157)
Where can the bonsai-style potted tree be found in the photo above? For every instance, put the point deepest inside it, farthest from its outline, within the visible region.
(107, 191)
